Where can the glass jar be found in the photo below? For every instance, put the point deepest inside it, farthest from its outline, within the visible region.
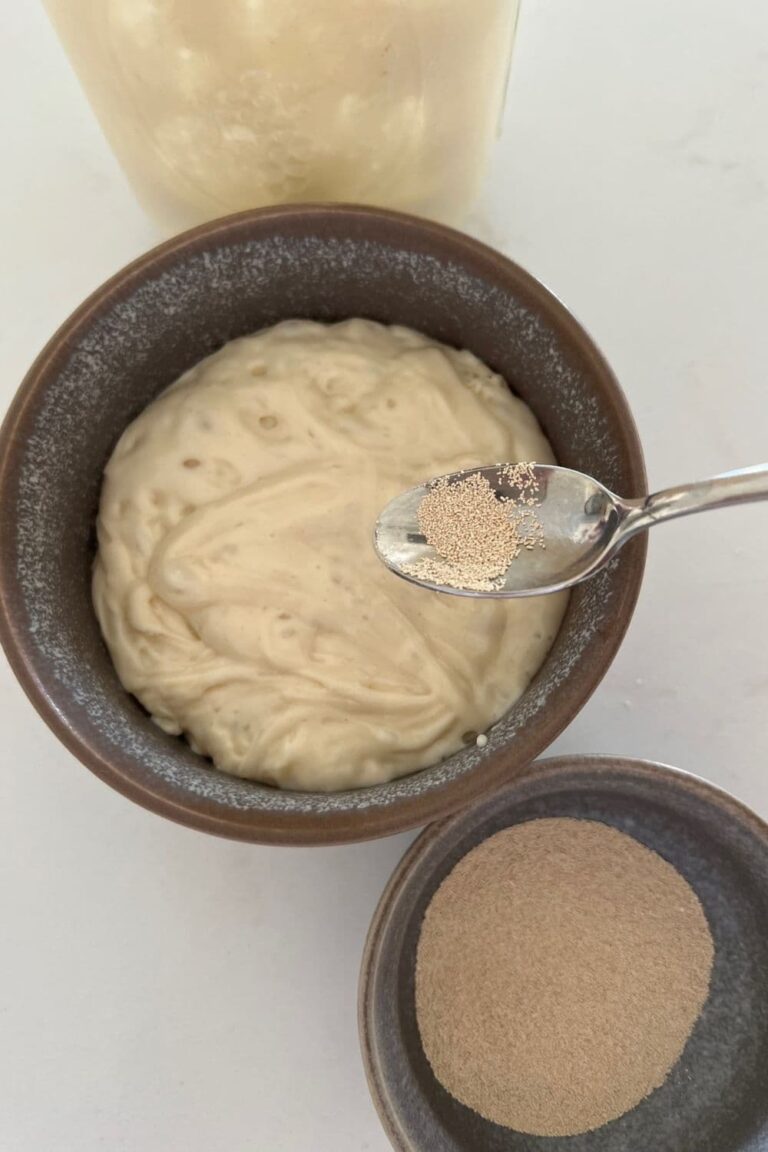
(213, 106)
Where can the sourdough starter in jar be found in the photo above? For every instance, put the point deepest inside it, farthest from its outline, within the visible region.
(216, 107)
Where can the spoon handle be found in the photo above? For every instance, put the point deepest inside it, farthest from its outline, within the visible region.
(740, 487)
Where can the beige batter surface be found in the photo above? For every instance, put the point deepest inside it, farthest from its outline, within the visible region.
(236, 582)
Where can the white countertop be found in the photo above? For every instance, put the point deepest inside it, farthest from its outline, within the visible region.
(164, 990)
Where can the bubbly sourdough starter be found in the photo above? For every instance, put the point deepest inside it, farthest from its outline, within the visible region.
(236, 582)
(217, 105)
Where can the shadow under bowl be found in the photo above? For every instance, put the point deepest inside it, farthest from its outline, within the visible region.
(165, 313)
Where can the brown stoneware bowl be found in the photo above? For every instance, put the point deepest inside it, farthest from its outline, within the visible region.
(715, 1099)
(160, 316)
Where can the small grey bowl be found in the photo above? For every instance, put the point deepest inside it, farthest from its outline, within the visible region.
(166, 312)
(716, 1097)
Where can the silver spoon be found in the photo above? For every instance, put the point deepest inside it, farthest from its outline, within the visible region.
(584, 525)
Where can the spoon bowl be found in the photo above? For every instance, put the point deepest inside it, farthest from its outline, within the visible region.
(582, 525)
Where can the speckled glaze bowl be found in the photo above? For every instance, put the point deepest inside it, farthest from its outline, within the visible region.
(166, 312)
(716, 1096)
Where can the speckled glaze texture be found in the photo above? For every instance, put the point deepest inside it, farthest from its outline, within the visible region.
(166, 312)
(716, 1097)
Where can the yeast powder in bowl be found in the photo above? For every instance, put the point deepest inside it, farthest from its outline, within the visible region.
(561, 968)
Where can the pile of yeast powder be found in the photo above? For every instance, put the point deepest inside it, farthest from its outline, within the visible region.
(560, 971)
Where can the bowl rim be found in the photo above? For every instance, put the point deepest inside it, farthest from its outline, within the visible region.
(579, 764)
(329, 827)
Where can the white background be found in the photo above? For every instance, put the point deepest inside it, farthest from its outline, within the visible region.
(163, 990)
